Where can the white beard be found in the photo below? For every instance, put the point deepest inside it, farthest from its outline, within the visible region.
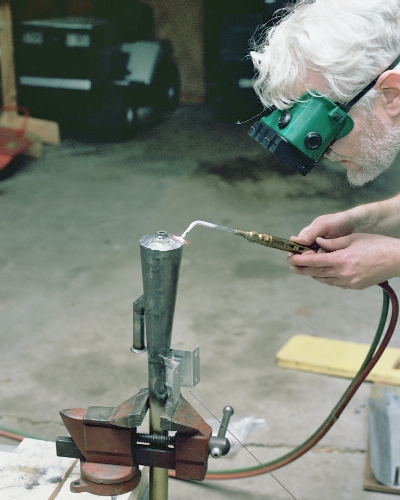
(379, 143)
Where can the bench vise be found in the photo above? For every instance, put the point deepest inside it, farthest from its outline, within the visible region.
(110, 449)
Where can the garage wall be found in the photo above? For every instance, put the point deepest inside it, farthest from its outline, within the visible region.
(181, 21)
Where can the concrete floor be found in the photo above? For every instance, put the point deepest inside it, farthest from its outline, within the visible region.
(70, 269)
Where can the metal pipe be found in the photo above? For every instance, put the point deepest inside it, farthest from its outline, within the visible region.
(138, 326)
(161, 257)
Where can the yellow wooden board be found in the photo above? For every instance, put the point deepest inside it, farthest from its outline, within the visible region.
(337, 357)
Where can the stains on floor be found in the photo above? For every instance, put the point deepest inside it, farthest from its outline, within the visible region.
(243, 168)
(265, 176)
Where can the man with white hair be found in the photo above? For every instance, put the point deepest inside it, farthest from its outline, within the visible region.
(337, 47)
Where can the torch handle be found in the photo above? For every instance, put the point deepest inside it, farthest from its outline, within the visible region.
(268, 240)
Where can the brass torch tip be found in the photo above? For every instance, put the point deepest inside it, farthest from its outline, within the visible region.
(251, 236)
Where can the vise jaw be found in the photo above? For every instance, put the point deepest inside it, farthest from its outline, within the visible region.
(110, 449)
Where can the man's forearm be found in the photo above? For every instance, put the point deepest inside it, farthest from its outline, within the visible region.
(382, 217)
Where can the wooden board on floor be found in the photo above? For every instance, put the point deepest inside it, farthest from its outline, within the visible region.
(45, 130)
(337, 357)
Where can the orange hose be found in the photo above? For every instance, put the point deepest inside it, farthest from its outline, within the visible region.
(11, 435)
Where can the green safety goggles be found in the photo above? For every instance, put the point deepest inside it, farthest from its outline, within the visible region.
(301, 134)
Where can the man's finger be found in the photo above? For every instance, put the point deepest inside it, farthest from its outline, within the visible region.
(313, 271)
(309, 259)
(332, 244)
(304, 238)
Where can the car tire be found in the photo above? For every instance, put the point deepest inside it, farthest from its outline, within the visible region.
(119, 117)
(167, 88)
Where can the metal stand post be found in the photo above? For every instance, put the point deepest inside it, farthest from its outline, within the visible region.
(161, 257)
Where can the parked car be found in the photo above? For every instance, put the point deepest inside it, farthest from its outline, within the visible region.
(100, 76)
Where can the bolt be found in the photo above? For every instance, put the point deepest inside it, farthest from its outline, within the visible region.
(162, 235)
(156, 439)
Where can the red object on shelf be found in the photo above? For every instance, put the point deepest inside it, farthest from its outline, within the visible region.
(13, 142)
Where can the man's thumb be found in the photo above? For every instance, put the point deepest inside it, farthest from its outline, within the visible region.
(332, 244)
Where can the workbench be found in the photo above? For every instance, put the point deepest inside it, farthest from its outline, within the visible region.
(33, 471)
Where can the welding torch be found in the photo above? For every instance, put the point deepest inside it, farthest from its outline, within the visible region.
(268, 240)
(264, 239)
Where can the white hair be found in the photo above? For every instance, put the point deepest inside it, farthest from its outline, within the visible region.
(348, 42)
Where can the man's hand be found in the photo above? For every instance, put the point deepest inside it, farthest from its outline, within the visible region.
(326, 226)
(354, 261)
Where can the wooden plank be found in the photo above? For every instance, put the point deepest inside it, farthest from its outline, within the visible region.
(338, 358)
(36, 150)
(33, 151)
(45, 130)
(7, 56)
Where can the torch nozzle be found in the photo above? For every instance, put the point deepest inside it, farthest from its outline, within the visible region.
(268, 240)
(206, 224)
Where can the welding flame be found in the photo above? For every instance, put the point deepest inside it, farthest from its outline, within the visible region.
(179, 239)
(206, 224)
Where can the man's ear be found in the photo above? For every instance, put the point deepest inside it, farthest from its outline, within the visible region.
(389, 84)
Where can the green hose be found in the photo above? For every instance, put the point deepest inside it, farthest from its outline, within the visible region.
(305, 444)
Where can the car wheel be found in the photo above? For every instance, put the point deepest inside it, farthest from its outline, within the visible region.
(167, 88)
(119, 119)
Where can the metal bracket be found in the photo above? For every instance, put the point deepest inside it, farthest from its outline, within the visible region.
(189, 366)
(181, 370)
